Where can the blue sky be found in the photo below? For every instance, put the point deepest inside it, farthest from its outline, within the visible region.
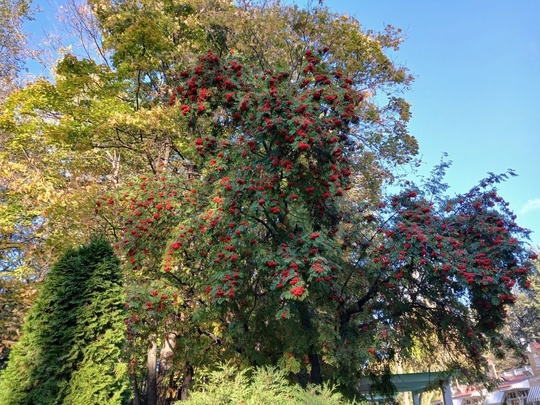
(477, 88)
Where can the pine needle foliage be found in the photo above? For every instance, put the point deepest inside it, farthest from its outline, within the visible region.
(70, 351)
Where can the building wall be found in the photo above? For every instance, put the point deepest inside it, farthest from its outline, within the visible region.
(533, 353)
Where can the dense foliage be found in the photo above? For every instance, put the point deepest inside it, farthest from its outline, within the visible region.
(72, 342)
(524, 322)
(303, 276)
(238, 154)
(229, 385)
(15, 293)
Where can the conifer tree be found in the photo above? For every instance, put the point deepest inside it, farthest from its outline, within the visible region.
(70, 351)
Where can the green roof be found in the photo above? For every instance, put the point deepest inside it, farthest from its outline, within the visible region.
(413, 382)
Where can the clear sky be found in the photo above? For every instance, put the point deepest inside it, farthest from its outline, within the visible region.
(477, 88)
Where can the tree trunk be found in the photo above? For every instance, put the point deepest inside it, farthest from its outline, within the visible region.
(315, 376)
(188, 376)
(165, 364)
(136, 393)
(151, 373)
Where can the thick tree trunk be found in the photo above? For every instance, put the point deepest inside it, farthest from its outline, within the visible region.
(151, 373)
(188, 376)
(165, 364)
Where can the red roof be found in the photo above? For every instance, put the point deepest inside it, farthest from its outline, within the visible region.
(535, 345)
(512, 379)
(466, 394)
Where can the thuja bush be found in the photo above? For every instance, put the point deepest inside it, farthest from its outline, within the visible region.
(268, 234)
(72, 342)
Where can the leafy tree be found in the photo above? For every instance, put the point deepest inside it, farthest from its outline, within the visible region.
(525, 314)
(522, 324)
(64, 143)
(12, 43)
(16, 287)
(304, 276)
(14, 296)
(71, 348)
(152, 195)
(103, 119)
(39, 188)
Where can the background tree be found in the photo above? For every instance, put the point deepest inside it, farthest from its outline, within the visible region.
(524, 315)
(12, 43)
(15, 294)
(71, 348)
(103, 120)
(522, 324)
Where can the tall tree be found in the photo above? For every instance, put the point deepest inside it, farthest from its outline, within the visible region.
(12, 43)
(269, 230)
(14, 293)
(103, 119)
(71, 348)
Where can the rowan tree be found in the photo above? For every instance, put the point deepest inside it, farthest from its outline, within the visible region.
(265, 232)
(102, 119)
